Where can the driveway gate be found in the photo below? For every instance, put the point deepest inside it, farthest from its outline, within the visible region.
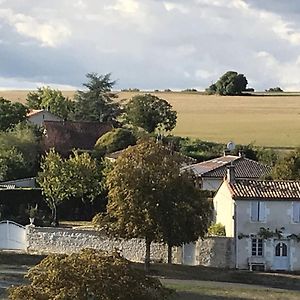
(12, 236)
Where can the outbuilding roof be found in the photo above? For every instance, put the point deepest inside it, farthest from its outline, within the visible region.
(216, 168)
(265, 190)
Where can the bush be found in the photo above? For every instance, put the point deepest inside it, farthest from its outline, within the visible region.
(114, 140)
(217, 230)
(89, 274)
(275, 90)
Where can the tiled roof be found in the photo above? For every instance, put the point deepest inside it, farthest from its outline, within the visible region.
(216, 168)
(265, 189)
(34, 112)
(67, 135)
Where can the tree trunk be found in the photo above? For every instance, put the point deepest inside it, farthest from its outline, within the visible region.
(169, 253)
(54, 216)
(147, 255)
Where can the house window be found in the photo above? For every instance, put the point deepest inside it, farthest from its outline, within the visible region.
(257, 247)
(296, 212)
(258, 211)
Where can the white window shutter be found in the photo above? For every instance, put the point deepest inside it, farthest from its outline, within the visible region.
(254, 211)
(262, 211)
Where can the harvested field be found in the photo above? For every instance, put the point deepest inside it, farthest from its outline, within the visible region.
(264, 120)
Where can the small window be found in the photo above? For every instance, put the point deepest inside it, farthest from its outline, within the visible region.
(258, 211)
(257, 247)
(281, 249)
(296, 212)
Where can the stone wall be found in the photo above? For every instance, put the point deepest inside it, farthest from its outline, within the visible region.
(212, 251)
(216, 252)
(45, 240)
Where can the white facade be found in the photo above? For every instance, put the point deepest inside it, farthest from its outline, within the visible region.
(38, 117)
(278, 248)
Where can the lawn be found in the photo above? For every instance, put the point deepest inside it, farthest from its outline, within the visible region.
(265, 120)
(190, 282)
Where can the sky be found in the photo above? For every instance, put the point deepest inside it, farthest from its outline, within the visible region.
(149, 44)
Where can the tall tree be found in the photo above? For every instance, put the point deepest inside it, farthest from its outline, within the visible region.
(230, 83)
(151, 113)
(79, 176)
(143, 201)
(97, 103)
(11, 113)
(51, 99)
(54, 181)
(288, 167)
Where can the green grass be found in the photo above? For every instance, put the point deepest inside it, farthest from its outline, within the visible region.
(271, 120)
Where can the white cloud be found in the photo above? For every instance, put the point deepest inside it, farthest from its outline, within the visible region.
(49, 34)
(169, 6)
(126, 6)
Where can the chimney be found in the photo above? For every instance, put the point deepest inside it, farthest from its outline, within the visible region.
(226, 152)
(230, 174)
(241, 153)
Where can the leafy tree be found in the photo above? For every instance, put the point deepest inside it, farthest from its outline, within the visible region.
(149, 198)
(231, 83)
(11, 113)
(53, 100)
(275, 90)
(60, 179)
(97, 103)
(54, 181)
(114, 140)
(288, 168)
(217, 229)
(151, 113)
(19, 152)
(89, 274)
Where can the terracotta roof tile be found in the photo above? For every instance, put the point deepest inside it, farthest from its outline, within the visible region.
(244, 167)
(265, 189)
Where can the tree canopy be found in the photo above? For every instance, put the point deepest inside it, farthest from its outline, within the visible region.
(19, 152)
(89, 274)
(150, 113)
(97, 103)
(288, 167)
(60, 179)
(11, 113)
(52, 100)
(114, 140)
(230, 83)
(149, 198)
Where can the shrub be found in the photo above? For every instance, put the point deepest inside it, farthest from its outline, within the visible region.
(217, 230)
(89, 274)
(114, 140)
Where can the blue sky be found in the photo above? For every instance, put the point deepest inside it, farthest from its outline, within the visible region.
(149, 44)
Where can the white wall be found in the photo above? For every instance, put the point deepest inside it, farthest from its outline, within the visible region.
(39, 118)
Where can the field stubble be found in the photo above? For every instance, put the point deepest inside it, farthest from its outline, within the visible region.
(272, 121)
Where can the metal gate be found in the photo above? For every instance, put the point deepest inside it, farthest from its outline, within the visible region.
(12, 236)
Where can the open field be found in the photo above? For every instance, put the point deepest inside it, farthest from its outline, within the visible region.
(272, 120)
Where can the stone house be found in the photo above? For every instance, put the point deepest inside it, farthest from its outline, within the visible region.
(39, 116)
(210, 173)
(263, 217)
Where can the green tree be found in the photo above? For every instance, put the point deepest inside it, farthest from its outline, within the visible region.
(231, 83)
(61, 179)
(114, 140)
(51, 99)
(97, 103)
(89, 274)
(19, 152)
(147, 199)
(54, 181)
(150, 113)
(288, 167)
(11, 113)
